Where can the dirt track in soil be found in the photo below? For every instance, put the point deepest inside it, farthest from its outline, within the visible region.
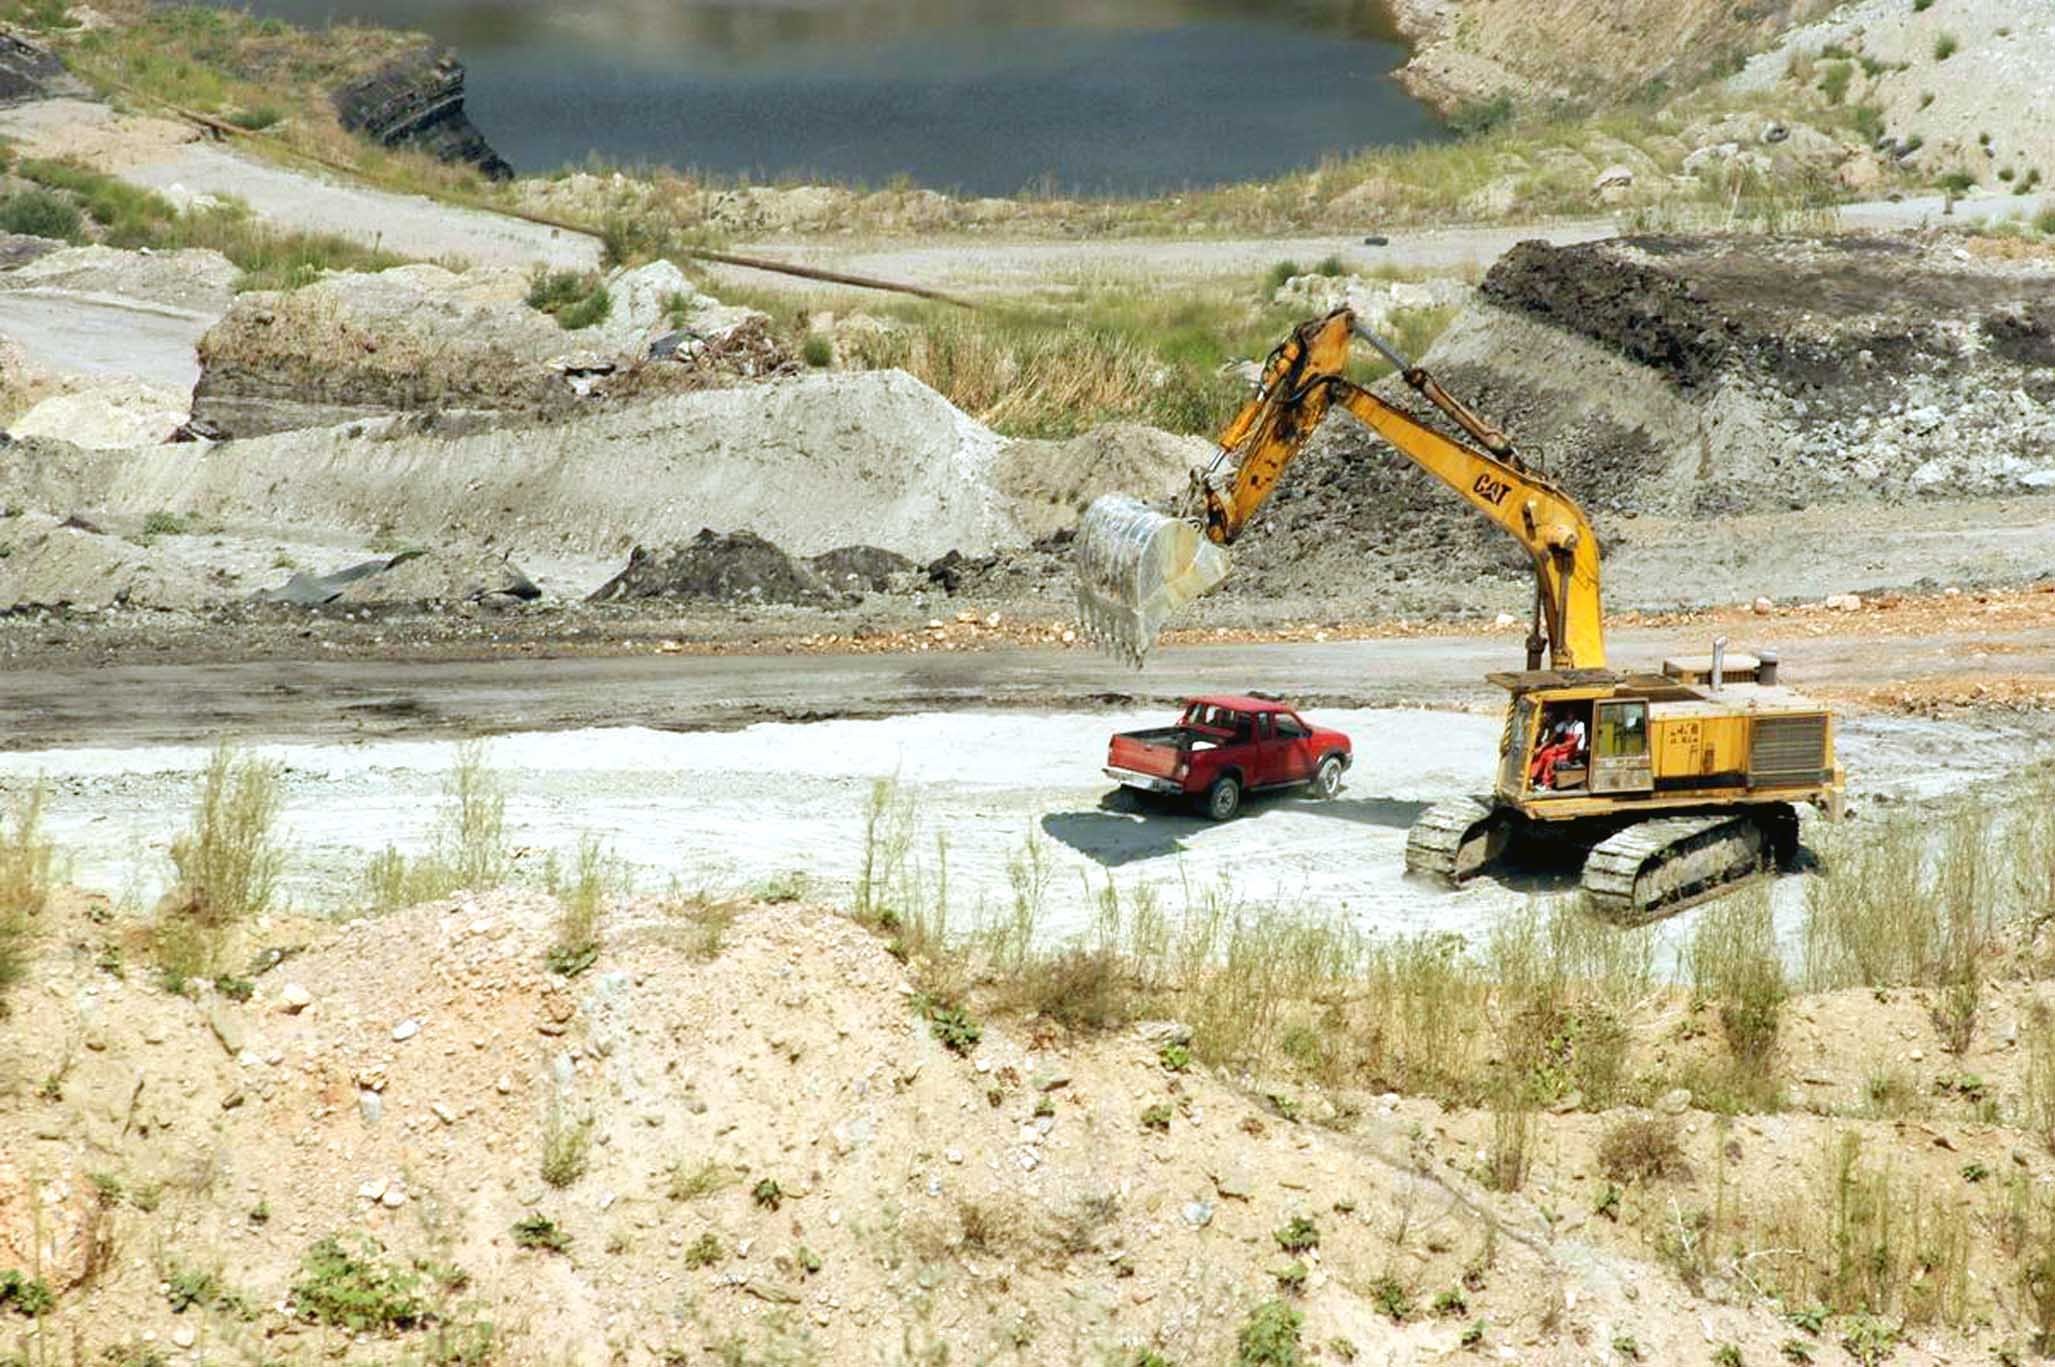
(118, 702)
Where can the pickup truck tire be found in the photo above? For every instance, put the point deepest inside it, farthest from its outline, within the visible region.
(1326, 781)
(1224, 799)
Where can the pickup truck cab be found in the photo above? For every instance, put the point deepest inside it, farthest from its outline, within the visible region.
(1223, 747)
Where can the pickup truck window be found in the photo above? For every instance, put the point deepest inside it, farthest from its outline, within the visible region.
(1291, 728)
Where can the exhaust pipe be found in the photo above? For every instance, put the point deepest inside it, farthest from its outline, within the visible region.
(1719, 669)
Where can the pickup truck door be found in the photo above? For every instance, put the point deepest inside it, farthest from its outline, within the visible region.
(1243, 749)
(1294, 750)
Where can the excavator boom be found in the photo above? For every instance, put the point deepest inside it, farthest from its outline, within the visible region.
(1136, 566)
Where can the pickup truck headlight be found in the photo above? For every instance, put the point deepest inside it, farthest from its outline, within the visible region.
(1180, 771)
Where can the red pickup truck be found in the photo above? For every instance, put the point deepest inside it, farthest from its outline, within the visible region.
(1223, 747)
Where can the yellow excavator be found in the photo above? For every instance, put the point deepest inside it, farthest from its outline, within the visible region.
(1676, 784)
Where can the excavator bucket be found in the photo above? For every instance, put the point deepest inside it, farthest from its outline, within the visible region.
(1134, 568)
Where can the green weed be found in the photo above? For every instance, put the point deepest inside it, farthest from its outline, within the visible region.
(539, 1233)
(352, 1286)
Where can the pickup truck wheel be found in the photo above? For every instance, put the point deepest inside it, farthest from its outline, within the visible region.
(1223, 799)
(1327, 777)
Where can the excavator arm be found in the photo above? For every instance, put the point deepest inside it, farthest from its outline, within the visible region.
(1302, 382)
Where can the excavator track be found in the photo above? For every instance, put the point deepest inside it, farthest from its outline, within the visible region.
(1654, 869)
(1455, 840)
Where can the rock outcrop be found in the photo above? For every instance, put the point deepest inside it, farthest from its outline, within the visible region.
(30, 71)
(417, 101)
(463, 345)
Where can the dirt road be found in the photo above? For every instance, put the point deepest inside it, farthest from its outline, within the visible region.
(300, 198)
(132, 704)
(1017, 267)
(295, 197)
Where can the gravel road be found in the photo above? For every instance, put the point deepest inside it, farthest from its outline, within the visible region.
(1016, 267)
(412, 225)
(303, 198)
(134, 704)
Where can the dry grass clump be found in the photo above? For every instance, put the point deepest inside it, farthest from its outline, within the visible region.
(566, 1146)
(26, 861)
(1735, 966)
(227, 863)
(470, 841)
(1104, 356)
(1642, 1149)
(595, 878)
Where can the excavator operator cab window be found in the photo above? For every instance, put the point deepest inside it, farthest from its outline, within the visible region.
(1622, 731)
(1562, 749)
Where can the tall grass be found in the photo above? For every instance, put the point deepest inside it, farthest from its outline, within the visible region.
(227, 862)
(1106, 355)
(74, 196)
(1867, 1240)
(26, 860)
(470, 849)
(1541, 1015)
(1913, 904)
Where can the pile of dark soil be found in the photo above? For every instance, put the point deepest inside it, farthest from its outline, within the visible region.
(742, 568)
(1683, 378)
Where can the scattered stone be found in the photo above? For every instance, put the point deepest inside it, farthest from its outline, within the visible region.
(1163, 1032)
(406, 1030)
(444, 1113)
(777, 1293)
(1676, 1101)
(1051, 1080)
(227, 1029)
(1763, 607)
(294, 998)
(1198, 1214)
(394, 1197)
(370, 1105)
(183, 1336)
(1233, 1186)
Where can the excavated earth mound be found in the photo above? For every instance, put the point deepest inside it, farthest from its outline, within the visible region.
(424, 339)
(1690, 378)
(812, 463)
(46, 563)
(733, 1138)
(740, 567)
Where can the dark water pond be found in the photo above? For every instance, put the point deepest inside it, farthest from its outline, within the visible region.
(980, 96)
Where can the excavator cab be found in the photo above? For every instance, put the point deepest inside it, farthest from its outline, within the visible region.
(1579, 744)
